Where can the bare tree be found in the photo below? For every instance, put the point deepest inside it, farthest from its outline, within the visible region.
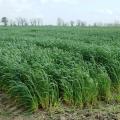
(39, 21)
(26, 23)
(60, 22)
(83, 24)
(33, 22)
(18, 21)
(116, 23)
(72, 23)
(66, 24)
(78, 23)
(95, 24)
(21, 21)
(4, 20)
(98, 24)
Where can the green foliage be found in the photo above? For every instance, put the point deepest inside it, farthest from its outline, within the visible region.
(42, 67)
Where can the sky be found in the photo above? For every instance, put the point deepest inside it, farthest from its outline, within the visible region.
(49, 10)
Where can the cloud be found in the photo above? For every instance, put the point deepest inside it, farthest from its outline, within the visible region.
(105, 11)
(15, 5)
(110, 12)
(60, 1)
(49, 10)
(44, 1)
(19, 8)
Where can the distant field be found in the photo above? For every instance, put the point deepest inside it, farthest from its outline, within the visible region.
(43, 67)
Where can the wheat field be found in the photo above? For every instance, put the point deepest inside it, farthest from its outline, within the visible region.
(43, 67)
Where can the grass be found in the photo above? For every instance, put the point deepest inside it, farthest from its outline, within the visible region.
(42, 67)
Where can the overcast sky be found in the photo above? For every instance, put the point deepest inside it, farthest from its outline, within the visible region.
(49, 10)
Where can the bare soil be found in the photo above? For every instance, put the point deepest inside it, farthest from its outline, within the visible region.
(102, 112)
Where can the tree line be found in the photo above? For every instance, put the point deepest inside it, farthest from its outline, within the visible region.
(38, 22)
(60, 22)
(22, 22)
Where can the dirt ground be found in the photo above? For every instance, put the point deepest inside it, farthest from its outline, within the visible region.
(103, 112)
